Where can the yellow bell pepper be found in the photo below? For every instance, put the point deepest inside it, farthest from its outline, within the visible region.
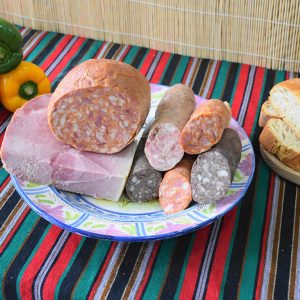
(22, 84)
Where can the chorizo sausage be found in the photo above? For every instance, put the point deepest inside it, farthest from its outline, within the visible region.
(205, 127)
(175, 193)
(99, 106)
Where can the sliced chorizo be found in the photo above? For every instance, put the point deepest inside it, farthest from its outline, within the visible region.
(99, 106)
(205, 127)
(175, 193)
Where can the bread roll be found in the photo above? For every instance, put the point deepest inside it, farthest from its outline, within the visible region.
(267, 112)
(285, 99)
(278, 138)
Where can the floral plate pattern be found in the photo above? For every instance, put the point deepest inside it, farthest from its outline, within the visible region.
(129, 221)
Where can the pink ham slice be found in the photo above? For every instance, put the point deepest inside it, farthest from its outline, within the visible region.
(31, 152)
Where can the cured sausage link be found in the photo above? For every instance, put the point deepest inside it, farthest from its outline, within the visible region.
(163, 149)
(143, 181)
(175, 193)
(213, 171)
(205, 127)
(99, 106)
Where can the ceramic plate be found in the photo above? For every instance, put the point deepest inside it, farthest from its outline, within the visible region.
(128, 221)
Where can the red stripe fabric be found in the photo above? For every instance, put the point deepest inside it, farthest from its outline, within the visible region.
(103, 269)
(160, 68)
(34, 44)
(66, 59)
(148, 61)
(34, 266)
(15, 228)
(4, 115)
(240, 89)
(5, 182)
(193, 267)
(209, 93)
(148, 270)
(1, 138)
(220, 255)
(58, 49)
(187, 71)
(254, 99)
(125, 53)
(59, 266)
(264, 238)
(100, 49)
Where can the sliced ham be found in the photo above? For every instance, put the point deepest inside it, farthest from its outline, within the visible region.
(31, 152)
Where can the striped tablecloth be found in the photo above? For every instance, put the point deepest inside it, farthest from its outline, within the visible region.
(252, 252)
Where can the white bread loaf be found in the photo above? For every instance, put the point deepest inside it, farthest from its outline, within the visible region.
(278, 138)
(285, 99)
(267, 112)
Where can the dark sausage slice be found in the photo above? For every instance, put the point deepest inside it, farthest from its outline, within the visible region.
(230, 146)
(213, 171)
(143, 181)
(163, 149)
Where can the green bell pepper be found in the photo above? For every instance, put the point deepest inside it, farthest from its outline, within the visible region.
(11, 52)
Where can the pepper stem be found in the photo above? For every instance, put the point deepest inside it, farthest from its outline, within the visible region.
(28, 90)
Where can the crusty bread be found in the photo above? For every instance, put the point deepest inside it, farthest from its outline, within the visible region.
(278, 138)
(267, 112)
(285, 99)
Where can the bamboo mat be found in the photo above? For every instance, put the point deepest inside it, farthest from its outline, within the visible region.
(264, 33)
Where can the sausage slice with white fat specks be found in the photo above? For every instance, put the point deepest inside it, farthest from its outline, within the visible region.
(213, 171)
(205, 127)
(163, 149)
(99, 106)
(143, 181)
(175, 192)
